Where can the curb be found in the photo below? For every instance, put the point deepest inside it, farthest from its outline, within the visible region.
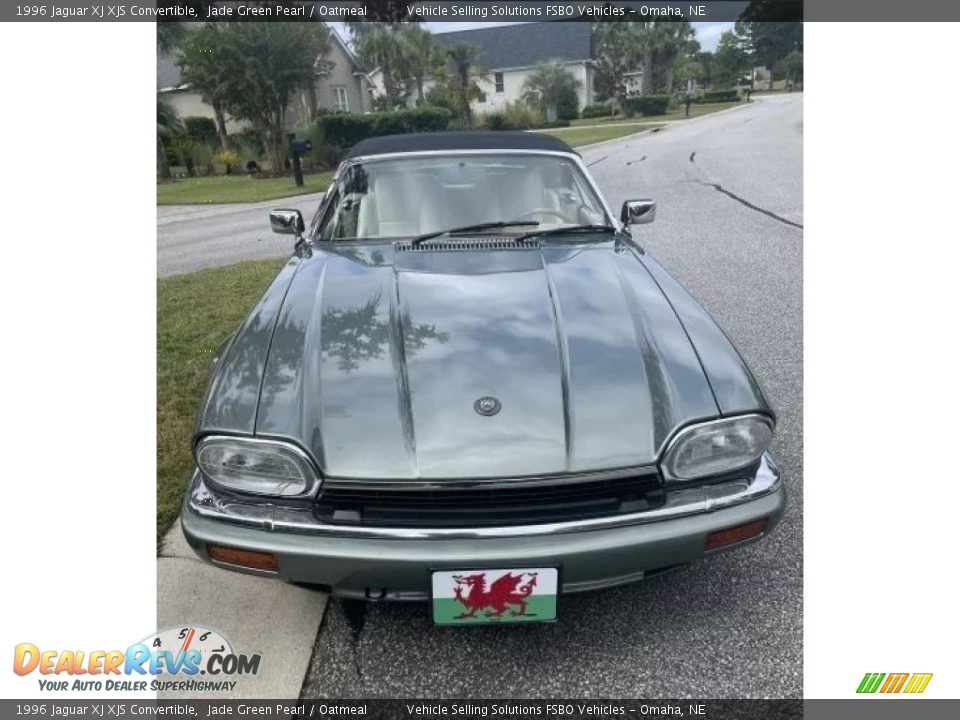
(665, 125)
(278, 620)
(591, 146)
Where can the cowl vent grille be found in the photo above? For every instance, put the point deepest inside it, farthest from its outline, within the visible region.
(491, 243)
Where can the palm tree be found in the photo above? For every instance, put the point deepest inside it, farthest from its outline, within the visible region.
(642, 44)
(421, 55)
(677, 44)
(612, 40)
(547, 85)
(463, 87)
(170, 35)
(168, 125)
(380, 47)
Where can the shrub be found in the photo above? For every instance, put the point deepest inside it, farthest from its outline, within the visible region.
(202, 129)
(496, 121)
(597, 111)
(568, 105)
(182, 149)
(226, 161)
(715, 96)
(347, 129)
(437, 96)
(421, 119)
(201, 155)
(249, 142)
(520, 116)
(647, 105)
(195, 156)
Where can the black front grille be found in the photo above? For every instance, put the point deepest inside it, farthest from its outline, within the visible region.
(517, 504)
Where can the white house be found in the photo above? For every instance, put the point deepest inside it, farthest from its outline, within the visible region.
(510, 53)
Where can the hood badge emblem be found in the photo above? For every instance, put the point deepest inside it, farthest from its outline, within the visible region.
(487, 406)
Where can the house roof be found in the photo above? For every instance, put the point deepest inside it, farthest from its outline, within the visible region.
(510, 46)
(424, 142)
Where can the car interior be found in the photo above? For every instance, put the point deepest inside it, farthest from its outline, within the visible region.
(398, 199)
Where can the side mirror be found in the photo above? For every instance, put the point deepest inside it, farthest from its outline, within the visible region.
(287, 222)
(638, 212)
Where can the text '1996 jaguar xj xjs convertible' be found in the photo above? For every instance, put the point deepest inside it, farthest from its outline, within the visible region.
(470, 385)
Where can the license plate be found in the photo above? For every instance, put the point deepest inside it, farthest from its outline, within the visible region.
(499, 595)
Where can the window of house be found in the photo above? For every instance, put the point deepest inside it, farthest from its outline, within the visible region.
(482, 98)
(340, 102)
(498, 81)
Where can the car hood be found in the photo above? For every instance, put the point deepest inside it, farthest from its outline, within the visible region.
(377, 355)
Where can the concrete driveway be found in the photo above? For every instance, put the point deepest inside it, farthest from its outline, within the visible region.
(729, 228)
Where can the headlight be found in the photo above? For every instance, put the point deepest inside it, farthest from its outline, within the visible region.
(717, 447)
(259, 467)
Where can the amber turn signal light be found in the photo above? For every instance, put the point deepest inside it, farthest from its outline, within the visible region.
(735, 534)
(243, 558)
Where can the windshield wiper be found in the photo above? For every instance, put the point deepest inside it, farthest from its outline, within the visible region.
(567, 229)
(470, 228)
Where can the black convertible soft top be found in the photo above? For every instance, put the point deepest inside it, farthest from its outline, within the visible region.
(493, 140)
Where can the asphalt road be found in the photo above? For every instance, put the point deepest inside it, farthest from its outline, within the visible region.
(728, 227)
(192, 237)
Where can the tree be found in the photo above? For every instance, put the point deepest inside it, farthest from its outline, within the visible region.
(380, 46)
(705, 61)
(731, 60)
(770, 42)
(170, 35)
(643, 43)
(613, 62)
(462, 87)
(168, 125)
(677, 45)
(793, 67)
(662, 45)
(254, 70)
(380, 13)
(420, 55)
(203, 68)
(547, 86)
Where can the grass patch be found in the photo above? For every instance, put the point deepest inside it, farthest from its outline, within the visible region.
(696, 110)
(576, 136)
(195, 314)
(236, 189)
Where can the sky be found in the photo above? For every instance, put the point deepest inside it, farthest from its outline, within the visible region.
(708, 33)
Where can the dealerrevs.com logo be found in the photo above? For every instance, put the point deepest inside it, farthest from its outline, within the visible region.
(179, 659)
(910, 683)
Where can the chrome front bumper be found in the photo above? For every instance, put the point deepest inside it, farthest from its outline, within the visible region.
(395, 563)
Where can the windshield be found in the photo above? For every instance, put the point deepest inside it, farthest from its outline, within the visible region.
(413, 196)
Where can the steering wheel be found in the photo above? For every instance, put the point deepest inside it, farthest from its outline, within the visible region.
(542, 211)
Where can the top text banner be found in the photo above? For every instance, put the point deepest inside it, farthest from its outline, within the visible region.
(392, 10)
(478, 10)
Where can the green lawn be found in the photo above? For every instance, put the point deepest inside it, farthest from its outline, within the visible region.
(696, 110)
(576, 136)
(236, 189)
(195, 314)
